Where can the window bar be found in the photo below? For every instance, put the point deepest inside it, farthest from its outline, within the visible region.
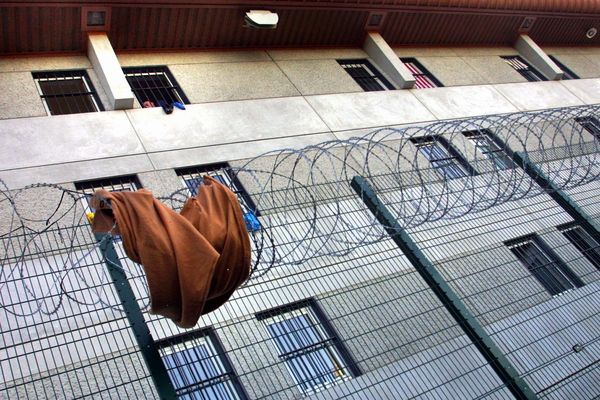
(567, 73)
(583, 242)
(67, 92)
(523, 68)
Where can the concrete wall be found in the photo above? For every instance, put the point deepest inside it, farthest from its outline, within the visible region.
(19, 96)
(583, 61)
(465, 66)
(239, 75)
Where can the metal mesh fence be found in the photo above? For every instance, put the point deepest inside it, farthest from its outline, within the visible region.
(333, 308)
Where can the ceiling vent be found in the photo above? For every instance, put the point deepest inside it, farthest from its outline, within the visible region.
(527, 24)
(375, 20)
(95, 19)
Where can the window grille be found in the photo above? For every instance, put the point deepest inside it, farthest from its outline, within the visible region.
(366, 75)
(129, 183)
(583, 242)
(67, 92)
(443, 157)
(199, 368)
(568, 74)
(192, 178)
(544, 264)
(590, 124)
(523, 68)
(485, 144)
(423, 78)
(153, 85)
(306, 343)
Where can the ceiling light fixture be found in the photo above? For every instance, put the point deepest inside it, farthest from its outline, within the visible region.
(591, 33)
(261, 19)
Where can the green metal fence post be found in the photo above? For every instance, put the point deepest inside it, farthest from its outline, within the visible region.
(148, 348)
(571, 207)
(444, 293)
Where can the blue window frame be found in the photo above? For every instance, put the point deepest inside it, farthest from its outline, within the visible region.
(199, 368)
(544, 264)
(443, 157)
(483, 141)
(306, 343)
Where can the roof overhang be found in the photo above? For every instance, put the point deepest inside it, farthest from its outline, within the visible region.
(136, 25)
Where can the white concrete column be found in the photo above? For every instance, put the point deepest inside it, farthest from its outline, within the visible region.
(107, 67)
(530, 51)
(385, 58)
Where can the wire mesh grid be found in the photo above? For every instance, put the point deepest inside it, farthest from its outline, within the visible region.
(65, 333)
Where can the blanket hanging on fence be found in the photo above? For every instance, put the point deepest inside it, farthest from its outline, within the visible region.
(193, 260)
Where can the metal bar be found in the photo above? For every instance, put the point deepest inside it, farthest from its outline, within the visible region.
(563, 199)
(148, 348)
(444, 293)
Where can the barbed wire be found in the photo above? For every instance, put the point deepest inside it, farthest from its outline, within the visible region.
(425, 173)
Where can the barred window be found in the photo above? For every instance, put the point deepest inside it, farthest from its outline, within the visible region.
(484, 142)
(192, 178)
(199, 368)
(153, 85)
(423, 78)
(67, 92)
(312, 353)
(128, 183)
(366, 75)
(583, 242)
(443, 157)
(590, 124)
(523, 68)
(568, 74)
(544, 264)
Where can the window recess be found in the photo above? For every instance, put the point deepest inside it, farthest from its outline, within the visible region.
(154, 85)
(192, 178)
(423, 78)
(523, 68)
(444, 158)
(583, 242)
(199, 368)
(313, 355)
(366, 75)
(67, 92)
(567, 73)
(544, 264)
(483, 142)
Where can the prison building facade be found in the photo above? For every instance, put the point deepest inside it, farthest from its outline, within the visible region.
(477, 140)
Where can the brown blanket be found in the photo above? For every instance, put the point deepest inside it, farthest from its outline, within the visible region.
(193, 260)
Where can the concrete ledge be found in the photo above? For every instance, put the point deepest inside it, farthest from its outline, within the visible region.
(230, 152)
(587, 90)
(77, 171)
(463, 101)
(58, 139)
(528, 96)
(223, 123)
(369, 109)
